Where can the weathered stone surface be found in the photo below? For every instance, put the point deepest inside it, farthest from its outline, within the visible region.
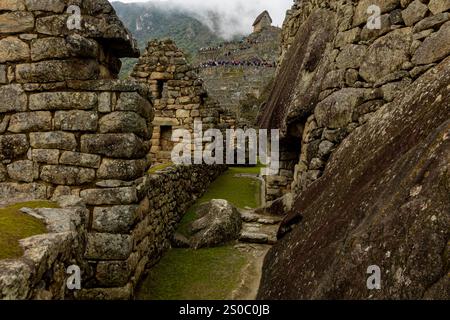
(218, 223)
(13, 49)
(132, 101)
(53, 140)
(115, 219)
(48, 156)
(125, 145)
(386, 55)
(438, 6)
(30, 121)
(16, 22)
(351, 56)
(12, 5)
(400, 160)
(13, 98)
(46, 5)
(21, 170)
(80, 159)
(57, 70)
(336, 110)
(13, 146)
(121, 169)
(431, 22)
(113, 274)
(119, 122)
(3, 76)
(361, 16)
(65, 175)
(76, 120)
(63, 101)
(105, 246)
(98, 197)
(415, 12)
(435, 47)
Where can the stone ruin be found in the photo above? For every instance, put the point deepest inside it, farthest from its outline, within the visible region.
(177, 93)
(69, 128)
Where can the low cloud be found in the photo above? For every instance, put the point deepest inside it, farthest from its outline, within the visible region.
(227, 17)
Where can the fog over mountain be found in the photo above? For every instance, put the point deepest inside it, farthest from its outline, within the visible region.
(226, 18)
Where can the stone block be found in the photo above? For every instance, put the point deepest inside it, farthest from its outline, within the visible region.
(48, 156)
(53, 140)
(30, 121)
(434, 48)
(16, 22)
(13, 98)
(121, 169)
(76, 120)
(415, 12)
(123, 122)
(115, 145)
(57, 70)
(115, 219)
(12, 5)
(113, 273)
(438, 6)
(13, 49)
(66, 175)
(13, 146)
(80, 159)
(21, 170)
(56, 6)
(63, 101)
(133, 101)
(114, 196)
(105, 246)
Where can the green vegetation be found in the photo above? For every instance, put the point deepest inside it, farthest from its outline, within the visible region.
(186, 274)
(15, 225)
(240, 191)
(159, 167)
(205, 274)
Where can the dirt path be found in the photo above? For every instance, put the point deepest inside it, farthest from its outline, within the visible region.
(252, 272)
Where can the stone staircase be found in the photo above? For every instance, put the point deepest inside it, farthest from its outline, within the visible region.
(258, 228)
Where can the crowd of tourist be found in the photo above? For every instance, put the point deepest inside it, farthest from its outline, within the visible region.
(238, 63)
(242, 45)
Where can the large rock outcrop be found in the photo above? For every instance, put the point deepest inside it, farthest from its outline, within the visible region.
(371, 109)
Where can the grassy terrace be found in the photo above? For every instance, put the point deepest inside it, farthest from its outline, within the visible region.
(206, 274)
(15, 225)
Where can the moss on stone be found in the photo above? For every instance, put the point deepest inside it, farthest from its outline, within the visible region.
(186, 274)
(159, 167)
(15, 225)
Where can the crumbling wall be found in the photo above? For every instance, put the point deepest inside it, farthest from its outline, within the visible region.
(177, 94)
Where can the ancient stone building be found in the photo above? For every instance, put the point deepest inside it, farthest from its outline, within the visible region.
(368, 112)
(177, 94)
(70, 128)
(262, 21)
(238, 74)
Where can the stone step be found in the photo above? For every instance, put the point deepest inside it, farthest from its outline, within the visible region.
(259, 233)
(259, 218)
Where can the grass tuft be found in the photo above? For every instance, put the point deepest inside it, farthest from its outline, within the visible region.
(15, 225)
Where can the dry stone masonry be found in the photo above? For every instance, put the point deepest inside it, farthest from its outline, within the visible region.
(350, 72)
(69, 127)
(369, 110)
(177, 94)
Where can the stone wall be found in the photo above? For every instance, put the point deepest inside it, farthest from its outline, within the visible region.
(334, 85)
(69, 127)
(41, 272)
(133, 227)
(177, 94)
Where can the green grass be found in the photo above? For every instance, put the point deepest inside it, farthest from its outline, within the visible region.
(159, 167)
(241, 192)
(186, 274)
(15, 225)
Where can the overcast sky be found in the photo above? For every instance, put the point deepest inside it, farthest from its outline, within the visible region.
(246, 9)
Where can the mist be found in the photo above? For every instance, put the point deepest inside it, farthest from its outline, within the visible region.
(227, 18)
